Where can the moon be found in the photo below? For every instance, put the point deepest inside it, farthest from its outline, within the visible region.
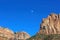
(32, 11)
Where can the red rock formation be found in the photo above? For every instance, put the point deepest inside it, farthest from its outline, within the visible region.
(51, 24)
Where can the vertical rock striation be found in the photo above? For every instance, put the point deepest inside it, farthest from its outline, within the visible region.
(50, 25)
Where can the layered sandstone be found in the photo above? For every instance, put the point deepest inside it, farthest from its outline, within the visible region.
(22, 35)
(6, 33)
(51, 24)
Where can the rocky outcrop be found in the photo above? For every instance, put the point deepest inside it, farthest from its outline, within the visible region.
(22, 35)
(50, 25)
(6, 34)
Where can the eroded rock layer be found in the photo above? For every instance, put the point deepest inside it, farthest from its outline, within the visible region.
(22, 35)
(6, 34)
(50, 25)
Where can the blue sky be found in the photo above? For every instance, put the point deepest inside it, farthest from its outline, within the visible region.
(26, 15)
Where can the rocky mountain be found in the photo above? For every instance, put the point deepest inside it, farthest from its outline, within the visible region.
(50, 25)
(6, 34)
(49, 28)
(22, 35)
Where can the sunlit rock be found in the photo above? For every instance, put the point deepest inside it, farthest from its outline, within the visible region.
(22, 35)
(50, 25)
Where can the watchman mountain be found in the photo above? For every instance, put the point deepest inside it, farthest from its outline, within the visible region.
(49, 30)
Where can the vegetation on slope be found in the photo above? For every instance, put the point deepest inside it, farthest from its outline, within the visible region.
(45, 37)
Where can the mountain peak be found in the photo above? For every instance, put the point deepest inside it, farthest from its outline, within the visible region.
(7, 34)
(50, 25)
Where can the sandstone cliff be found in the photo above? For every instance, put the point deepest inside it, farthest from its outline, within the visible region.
(6, 34)
(22, 35)
(50, 25)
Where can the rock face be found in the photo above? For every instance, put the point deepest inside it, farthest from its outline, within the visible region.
(22, 35)
(6, 34)
(50, 25)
